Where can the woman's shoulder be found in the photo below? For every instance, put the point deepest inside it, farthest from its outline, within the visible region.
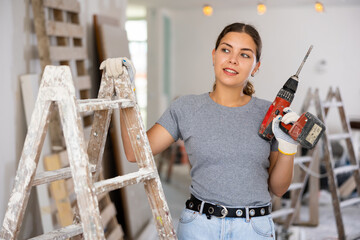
(262, 104)
(191, 100)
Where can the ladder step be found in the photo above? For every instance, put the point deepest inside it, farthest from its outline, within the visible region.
(339, 136)
(282, 212)
(332, 104)
(111, 184)
(88, 105)
(52, 176)
(304, 159)
(294, 186)
(62, 233)
(350, 202)
(345, 169)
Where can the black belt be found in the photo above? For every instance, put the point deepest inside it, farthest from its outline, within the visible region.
(221, 211)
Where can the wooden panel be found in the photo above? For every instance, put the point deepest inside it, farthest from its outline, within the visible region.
(67, 5)
(108, 213)
(82, 82)
(67, 53)
(58, 192)
(116, 234)
(115, 42)
(99, 21)
(61, 29)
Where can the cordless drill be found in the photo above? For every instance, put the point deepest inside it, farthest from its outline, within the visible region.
(307, 130)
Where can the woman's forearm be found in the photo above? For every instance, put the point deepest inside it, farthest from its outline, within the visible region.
(281, 175)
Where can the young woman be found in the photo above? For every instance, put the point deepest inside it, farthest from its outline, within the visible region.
(233, 169)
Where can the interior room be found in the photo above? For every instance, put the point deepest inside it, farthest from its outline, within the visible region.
(62, 127)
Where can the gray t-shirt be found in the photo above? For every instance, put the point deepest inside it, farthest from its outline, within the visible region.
(229, 160)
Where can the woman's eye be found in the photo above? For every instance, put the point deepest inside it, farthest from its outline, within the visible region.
(245, 55)
(225, 50)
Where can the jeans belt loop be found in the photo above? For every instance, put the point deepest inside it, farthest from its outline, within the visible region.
(247, 214)
(202, 207)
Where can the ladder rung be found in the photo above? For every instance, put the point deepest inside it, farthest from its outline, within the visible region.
(332, 104)
(304, 159)
(345, 169)
(339, 136)
(350, 202)
(102, 104)
(51, 176)
(282, 212)
(62, 233)
(111, 184)
(294, 186)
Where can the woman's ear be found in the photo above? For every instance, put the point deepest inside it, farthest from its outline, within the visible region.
(256, 68)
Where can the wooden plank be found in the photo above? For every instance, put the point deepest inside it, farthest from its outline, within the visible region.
(29, 89)
(338, 136)
(108, 213)
(329, 165)
(102, 104)
(349, 202)
(282, 212)
(295, 186)
(82, 82)
(100, 20)
(71, 122)
(54, 175)
(60, 53)
(58, 191)
(347, 187)
(144, 158)
(63, 233)
(345, 169)
(66, 5)
(304, 159)
(116, 234)
(63, 29)
(125, 180)
(114, 36)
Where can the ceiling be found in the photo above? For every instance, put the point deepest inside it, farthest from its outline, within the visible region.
(186, 4)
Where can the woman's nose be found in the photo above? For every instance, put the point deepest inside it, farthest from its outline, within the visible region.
(233, 60)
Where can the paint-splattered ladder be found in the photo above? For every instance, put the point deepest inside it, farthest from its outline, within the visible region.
(57, 88)
(334, 100)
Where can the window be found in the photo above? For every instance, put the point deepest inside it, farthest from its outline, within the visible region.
(137, 36)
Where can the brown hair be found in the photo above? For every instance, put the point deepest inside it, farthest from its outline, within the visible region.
(253, 33)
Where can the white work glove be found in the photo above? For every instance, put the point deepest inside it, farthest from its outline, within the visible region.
(114, 67)
(287, 145)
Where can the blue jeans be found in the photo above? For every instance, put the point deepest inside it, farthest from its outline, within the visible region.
(196, 226)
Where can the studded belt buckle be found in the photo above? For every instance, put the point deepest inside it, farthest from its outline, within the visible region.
(224, 212)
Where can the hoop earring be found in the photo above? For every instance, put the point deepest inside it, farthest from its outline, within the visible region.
(253, 74)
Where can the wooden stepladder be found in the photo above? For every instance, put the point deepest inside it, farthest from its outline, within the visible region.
(57, 88)
(334, 100)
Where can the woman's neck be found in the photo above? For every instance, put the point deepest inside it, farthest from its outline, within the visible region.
(229, 97)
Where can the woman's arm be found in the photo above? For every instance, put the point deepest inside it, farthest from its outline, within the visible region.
(159, 139)
(280, 172)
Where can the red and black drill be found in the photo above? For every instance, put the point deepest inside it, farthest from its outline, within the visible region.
(307, 130)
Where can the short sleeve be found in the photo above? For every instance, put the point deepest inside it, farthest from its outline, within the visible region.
(170, 121)
(274, 145)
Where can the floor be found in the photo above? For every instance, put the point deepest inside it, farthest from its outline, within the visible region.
(176, 192)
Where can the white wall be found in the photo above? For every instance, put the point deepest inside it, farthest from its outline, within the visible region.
(287, 34)
(19, 56)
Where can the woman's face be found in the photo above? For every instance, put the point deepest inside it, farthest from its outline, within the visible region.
(235, 60)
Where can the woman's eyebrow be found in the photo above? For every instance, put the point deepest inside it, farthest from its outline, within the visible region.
(244, 49)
